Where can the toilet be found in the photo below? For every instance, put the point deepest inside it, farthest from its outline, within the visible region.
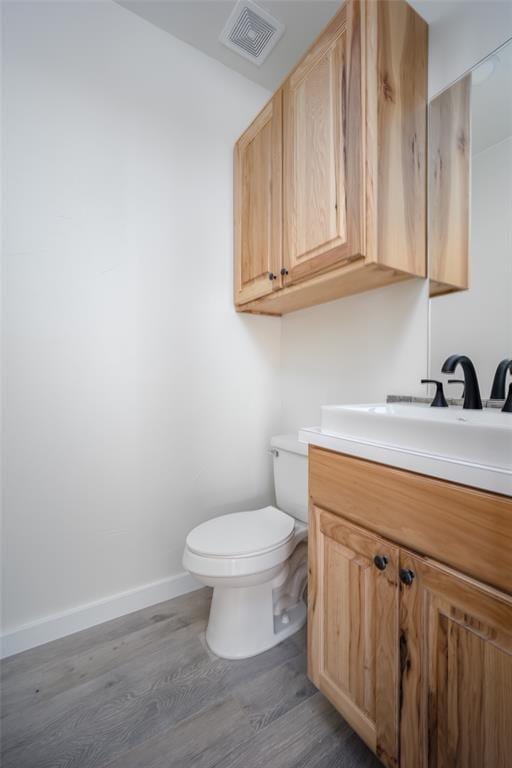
(256, 562)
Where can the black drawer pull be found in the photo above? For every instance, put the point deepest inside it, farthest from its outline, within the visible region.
(406, 576)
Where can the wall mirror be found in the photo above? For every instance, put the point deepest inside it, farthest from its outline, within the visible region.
(476, 321)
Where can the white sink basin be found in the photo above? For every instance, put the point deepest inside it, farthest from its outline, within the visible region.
(480, 437)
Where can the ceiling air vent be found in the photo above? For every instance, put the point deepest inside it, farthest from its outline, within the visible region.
(251, 32)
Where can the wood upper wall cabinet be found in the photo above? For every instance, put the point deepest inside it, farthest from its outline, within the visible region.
(258, 224)
(353, 627)
(353, 164)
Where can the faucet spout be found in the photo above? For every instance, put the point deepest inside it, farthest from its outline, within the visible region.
(472, 397)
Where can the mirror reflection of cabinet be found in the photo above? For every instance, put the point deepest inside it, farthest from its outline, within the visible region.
(448, 179)
(470, 219)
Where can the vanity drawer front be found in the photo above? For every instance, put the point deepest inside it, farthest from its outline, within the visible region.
(462, 527)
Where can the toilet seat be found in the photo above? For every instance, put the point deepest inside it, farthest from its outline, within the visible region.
(242, 534)
(274, 537)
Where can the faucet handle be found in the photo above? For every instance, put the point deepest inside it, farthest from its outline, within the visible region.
(439, 400)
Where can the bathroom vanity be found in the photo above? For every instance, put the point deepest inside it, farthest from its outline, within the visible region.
(410, 535)
(410, 607)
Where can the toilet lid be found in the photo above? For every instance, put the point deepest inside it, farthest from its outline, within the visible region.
(241, 533)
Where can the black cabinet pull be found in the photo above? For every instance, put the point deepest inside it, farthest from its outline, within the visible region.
(406, 576)
(284, 271)
(381, 562)
(271, 276)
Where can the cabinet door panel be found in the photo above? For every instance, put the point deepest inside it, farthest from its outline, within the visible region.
(258, 226)
(322, 152)
(317, 127)
(353, 628)
(349, 604)
(456, 643)
(256, 188)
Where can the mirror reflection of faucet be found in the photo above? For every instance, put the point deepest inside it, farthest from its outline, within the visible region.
(507, 407)
(498, 384)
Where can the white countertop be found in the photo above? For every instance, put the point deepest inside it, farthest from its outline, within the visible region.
(476, 475)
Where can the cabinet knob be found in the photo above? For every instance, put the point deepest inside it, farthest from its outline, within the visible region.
(271, 276)
(284, 271)
(406, 576)
(381, 562)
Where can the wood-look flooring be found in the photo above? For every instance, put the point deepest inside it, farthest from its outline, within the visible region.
(144, 691)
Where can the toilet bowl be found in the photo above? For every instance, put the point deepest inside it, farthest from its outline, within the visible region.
(256, 562)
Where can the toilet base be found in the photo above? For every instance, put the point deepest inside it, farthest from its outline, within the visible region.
(242, 623)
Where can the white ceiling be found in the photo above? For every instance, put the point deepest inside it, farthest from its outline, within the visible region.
(199, 23)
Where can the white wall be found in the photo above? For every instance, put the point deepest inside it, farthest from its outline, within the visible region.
(478, 322)
(357, 349)
(136, 402)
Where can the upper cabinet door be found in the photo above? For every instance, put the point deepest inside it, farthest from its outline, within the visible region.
(353, 627)
(258, 205)
(456, 654)
(322, 185)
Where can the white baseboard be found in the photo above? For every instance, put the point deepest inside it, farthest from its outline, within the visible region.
(84, 616)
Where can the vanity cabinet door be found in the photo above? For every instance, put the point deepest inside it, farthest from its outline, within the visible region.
(323, 168)
(456, 670)
(353, 653)
(258, 226)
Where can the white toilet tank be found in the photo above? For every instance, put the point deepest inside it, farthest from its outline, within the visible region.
(291, 475)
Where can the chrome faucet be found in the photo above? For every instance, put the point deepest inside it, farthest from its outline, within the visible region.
(498, 385)
(471, 389)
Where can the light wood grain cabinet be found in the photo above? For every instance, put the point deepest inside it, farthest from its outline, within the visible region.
(456, 678)
(322, 208)
(414, 653)
(353, 627)
(258, 180)
(353, 167)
